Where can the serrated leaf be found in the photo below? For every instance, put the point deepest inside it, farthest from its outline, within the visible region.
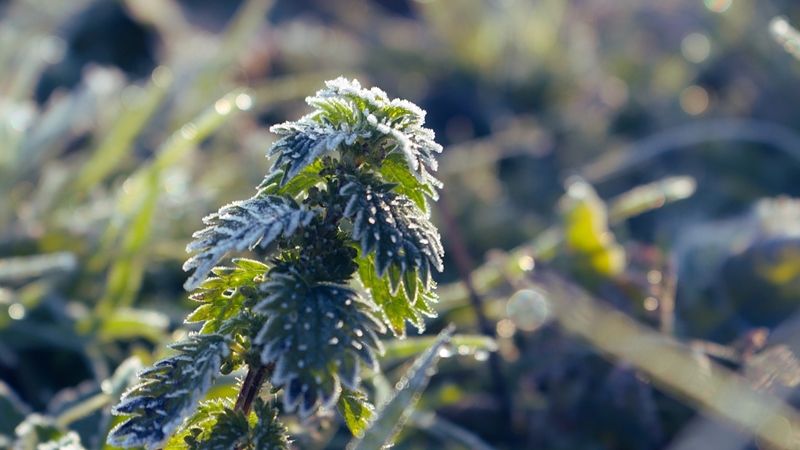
(201, 420)
(393, 414)
(303, 142)
(216, 426)
(222, 297)
(356, 410)
(268, 432)
(395, 229)
(242, 225)
(371, 111)
(169, 392)
(229, 431)
(305, 179)
(318, 335)
(395, 170)
(396, 308)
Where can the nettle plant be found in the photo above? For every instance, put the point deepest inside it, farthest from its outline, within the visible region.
(342, 218)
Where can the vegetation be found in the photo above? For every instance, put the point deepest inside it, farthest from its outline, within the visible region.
(617, 208)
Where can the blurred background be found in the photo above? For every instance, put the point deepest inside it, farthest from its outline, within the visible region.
(640, 156)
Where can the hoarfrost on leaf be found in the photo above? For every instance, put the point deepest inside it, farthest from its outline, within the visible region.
(241, 225)
(303, 354)
(169, 392)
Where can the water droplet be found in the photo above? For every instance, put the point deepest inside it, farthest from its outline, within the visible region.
(356, 345)
(302, 347)
(358, 332)
(222, 106)
(526, 263)
(244, 102)
(16, 311)
(329, 315)
(527, 309)
(333, 341)
(465, 350)
(287, 326)
(301, 363)
(371, 220)
(306, 326)
(481, 355)
(339, 325)
(446, 351)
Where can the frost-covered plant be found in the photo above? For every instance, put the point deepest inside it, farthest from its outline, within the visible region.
(342, 218)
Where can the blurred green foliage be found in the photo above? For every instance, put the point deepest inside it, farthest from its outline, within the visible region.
(123, 123)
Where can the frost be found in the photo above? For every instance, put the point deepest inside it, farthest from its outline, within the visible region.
(191, 372)
(241, 225)
(304, 354)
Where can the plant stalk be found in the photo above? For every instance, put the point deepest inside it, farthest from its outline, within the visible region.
(253, 382)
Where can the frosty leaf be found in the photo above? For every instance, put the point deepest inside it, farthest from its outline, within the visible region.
(397, 308)
(202, 419)
(317, 335)
(305, 179)
(397, 231)
(394, 413)
(398, 120)
(303, 142)
(169, 392)
(221, 296)
(242, 225)
(356, 410)
(228, 432)
(268, 433)
(216, 425)
(395, 170)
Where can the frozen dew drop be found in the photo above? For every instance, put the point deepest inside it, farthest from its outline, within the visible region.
(446, 350)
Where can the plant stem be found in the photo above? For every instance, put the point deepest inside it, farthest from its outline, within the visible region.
(251, 386)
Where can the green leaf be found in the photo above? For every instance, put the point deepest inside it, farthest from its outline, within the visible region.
(268, 433)
(356, 410)
(394, 413)
(169, 392)
(222, 297)
(303, 142)
(370, 112)
(216, 425)
(305, 179)
(130, 323)
(395, 170)
(318, 335)
(241, 225)
(229, 431)
(202, 420)
(396, 308)
(464, 344)
(396, 230)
